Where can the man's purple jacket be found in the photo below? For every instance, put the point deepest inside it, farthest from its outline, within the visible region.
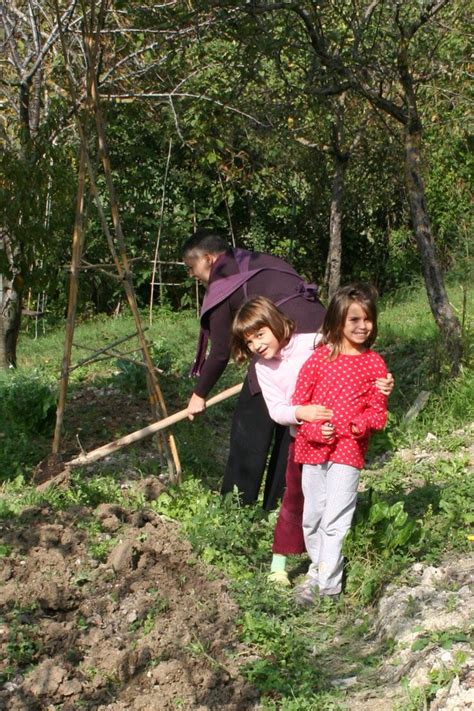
(235, 276)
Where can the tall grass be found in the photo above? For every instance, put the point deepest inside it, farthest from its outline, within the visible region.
(413, 349)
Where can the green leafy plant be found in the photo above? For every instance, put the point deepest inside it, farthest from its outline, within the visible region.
(27, 400)
(377, 546)
(220, 530)
(27, 407)
(443, 638)
(23, 645)
(130, 377)
(448, 521)
(439, 678)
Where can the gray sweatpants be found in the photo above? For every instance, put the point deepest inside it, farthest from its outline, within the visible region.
(330, 497)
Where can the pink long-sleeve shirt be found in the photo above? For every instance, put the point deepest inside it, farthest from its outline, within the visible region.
(277, 376)
(346, 386)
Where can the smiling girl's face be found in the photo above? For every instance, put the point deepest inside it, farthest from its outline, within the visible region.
(356, 330)
(263, 343)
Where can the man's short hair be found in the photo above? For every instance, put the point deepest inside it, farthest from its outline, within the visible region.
(206, 241)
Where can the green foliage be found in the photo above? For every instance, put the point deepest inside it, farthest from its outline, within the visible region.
(23, 646)
(377, 546)
(417, 358)
(27, 408)
(323, 701)
(221, 530)
(146, 623)
(82, 491)
(278, 672)
(130, 377)
(443, 639)
(402, 258)
(27, 401)
(251, 148)
(419, 698)
(40, 217)
(99, 544)
(5, 550)
(442, 676)
(457, 504)
(449, 519)
(451, 405)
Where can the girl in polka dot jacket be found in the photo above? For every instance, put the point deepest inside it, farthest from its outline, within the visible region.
(341, 375)
(261, 330)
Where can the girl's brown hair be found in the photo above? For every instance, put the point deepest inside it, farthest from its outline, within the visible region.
(333, 325)
(254, 314)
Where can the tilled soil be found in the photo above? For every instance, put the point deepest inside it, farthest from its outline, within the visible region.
(149, 628)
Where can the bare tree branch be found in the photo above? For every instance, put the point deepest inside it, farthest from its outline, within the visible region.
(34, 28)
(51, 39)
(175, 118)
(131, 57)
(167, 95)
(426, 14)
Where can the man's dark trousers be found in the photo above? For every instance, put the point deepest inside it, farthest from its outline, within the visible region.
(250, 440)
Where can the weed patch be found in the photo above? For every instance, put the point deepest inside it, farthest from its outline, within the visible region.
(378, 546)
(27, 408)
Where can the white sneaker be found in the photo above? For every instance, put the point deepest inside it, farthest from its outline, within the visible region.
(306, 592)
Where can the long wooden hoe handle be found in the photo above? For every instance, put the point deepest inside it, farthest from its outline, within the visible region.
(136, 436)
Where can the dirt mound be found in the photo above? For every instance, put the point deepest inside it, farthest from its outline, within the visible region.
(428, 624)
(150, 627)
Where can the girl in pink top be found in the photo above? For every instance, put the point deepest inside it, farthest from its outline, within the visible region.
(262, 330)
(341, 373)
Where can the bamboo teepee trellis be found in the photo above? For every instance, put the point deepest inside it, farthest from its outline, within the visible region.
(92, 24)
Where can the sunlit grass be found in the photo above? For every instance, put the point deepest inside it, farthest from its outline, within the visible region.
(406, 314)
(416, 355)
(176, 331)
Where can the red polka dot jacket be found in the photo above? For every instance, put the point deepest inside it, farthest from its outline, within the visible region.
(346, 385)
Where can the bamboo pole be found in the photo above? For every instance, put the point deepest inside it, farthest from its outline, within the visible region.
(99, 352)
(43, 310)
(156, 396)
(91, 48)
(148, 431)
(77, 245)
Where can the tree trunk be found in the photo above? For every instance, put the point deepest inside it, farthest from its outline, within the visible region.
(11, 286)
(441, 309)
(332, 277)
(10, 318)
(3, 352)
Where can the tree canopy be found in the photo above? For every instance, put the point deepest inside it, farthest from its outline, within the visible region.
(331, 133)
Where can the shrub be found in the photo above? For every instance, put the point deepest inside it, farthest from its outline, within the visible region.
(27, 407)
